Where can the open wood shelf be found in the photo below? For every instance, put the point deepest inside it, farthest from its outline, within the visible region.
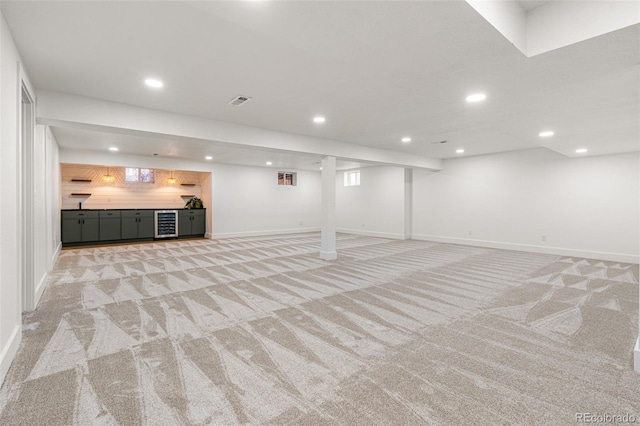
(80, 194)
(188, 196)
(80, 180)
(187, 184)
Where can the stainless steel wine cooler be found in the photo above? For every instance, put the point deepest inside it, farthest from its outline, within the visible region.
(166, 223)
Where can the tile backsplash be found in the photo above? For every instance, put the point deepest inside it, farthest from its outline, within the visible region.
(122, 195)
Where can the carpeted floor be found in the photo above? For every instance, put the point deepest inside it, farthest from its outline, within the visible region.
(261, 331)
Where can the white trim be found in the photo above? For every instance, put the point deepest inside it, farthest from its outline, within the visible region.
(614, 257)
(25, 185)
(56, 253)
(636, 356)
(328, 255)
(42, 284)
(208, 235)
(23, 78)
(264, 233)
(389, 235)
(10, 350)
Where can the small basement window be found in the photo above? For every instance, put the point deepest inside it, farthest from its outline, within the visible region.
(352, 178)
(130, 174)
(287, 178)
(139, 175)
(147, 175)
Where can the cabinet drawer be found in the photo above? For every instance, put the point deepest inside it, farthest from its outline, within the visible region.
(191, 212)
(136, 213)
(106, 214)
(80, 214)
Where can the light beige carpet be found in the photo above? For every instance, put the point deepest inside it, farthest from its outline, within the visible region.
(261, 331)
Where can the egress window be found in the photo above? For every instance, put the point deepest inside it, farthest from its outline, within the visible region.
(139, 175)
(352, 178)
(287, 178)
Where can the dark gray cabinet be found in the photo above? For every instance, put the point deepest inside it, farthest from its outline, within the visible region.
(191, 222)
(109, 225)
(80, 226)
(136, 224)
(92, 226)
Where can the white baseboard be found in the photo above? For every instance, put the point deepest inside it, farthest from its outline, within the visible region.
(56, 253)
(366, 233)
(9, 351)
(636, 356)
(328, 255)
(42, 284)
(208, 235)
(614, 257)
(265, 233)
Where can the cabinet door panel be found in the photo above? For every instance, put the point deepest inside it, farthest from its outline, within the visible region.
(197, 225)
(184, 225)
(129, 228)
(145, 227)
(90, 230)
(109, 229)
(71, 230)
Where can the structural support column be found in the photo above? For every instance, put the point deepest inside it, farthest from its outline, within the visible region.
(408, 204)
(328, 220)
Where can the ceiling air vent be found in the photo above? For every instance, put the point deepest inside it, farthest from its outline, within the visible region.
(239, 100)
(438, 142)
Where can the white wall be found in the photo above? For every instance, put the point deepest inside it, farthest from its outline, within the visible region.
(10, 297)
(45, 196)
(10, 288)
(585, 206)
(376, 207)
(249, 201)
(39, 208)
(206, 194)
(52, 196)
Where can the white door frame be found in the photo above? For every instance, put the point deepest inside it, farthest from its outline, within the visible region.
(26, 125)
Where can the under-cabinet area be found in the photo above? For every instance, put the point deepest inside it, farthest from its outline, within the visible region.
(112, 226)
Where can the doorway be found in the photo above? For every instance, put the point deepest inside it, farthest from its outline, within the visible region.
(27, 127)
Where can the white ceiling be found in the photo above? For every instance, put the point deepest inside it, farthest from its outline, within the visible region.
(377, 70)
(532, 4)
(194, 150)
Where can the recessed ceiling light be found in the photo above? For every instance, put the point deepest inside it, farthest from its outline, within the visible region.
(269, 163)
(113, 148)
(208, 157)
(152, 82)
(459, 151)
(581, 150)
(406, 139)
(319, 119)
(546, 134)
(476, 97)
(320, 168)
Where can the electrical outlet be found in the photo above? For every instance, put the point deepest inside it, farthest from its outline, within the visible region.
(108, 199)
(470, 232)
(300, 223)
(544, 238)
